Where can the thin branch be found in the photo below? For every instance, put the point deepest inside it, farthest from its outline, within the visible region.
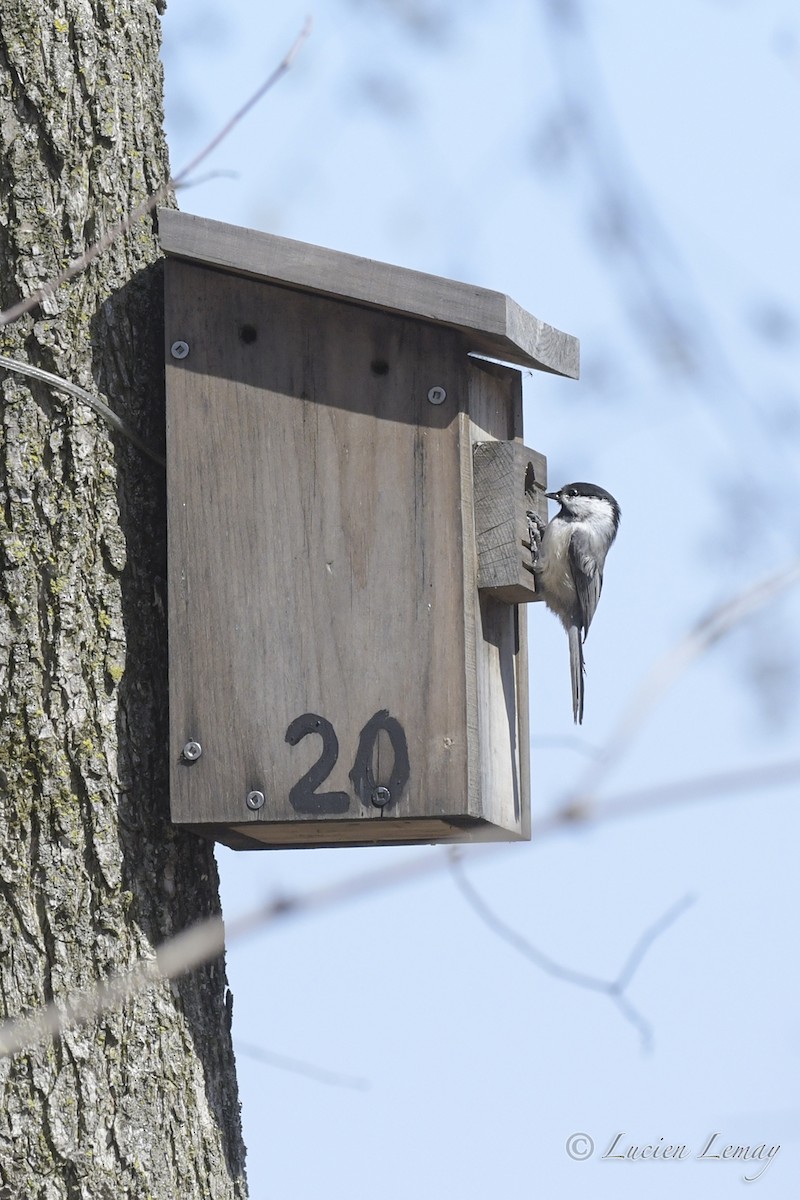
(651, 935)
(708, 630)
(517, 940)
(116, 231)
(174, 957)
(278, 74)
(209, 175)
(297, 1066)
(95, 403)
(705, 787)
(187, 950)
(204, 941)
(654, 284)
(615, 989)
(576, 744)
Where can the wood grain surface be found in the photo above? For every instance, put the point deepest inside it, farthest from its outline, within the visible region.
(322, 574)
(493, 323)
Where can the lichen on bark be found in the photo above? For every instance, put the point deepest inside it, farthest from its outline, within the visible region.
(141, 1103)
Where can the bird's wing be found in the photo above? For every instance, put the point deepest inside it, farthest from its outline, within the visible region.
(587, 575)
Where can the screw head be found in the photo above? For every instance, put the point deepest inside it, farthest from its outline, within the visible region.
(381, 796)
(255, 800)
(437, 395)
(179, 349)
(192, 751)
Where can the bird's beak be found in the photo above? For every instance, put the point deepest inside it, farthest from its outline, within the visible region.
(552, 495)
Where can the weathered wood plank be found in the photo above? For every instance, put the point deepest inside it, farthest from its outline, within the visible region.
(317, 566)
(503, 473)
(501, 654)
(298, 835)
(493, 323)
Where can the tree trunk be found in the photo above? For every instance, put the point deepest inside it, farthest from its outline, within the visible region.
(142, 1102)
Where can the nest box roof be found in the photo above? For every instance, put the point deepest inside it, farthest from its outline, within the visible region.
(493, 324)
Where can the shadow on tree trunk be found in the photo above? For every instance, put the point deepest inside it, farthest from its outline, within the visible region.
(172, 876)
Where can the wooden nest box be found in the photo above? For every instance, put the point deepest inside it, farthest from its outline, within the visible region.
(346, 503)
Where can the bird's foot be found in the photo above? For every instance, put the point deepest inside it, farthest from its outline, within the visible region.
(535, 533)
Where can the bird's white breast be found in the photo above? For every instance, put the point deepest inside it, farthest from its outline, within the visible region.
(595, 521)
(556, 576)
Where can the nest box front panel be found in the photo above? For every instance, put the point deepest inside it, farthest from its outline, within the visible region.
(322, 603)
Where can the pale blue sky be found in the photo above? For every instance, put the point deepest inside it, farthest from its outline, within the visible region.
(442, 154)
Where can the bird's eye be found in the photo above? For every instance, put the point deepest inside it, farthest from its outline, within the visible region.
(572, 492)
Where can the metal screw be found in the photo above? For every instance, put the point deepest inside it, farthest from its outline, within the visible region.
(437, 395)
(255, 800)
(381, 796)
(192, 751)
(179, 349)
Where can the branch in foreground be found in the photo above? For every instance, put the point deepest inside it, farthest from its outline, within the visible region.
(615, 989)
(205, 940)
(686, 791)
(190, 949)
(174, 957)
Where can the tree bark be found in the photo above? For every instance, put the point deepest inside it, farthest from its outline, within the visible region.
(142, 1102)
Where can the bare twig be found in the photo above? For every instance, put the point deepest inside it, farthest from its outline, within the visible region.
(204, 941)
(80, 264)
(95, 403)
(685, 791)
(576, 744)
(281, 69)
(297, 1066)
(615, 989)
(656, 288)
(715, 625)
(180, 180)
(209, 175)
(176, 956)
(188, 950)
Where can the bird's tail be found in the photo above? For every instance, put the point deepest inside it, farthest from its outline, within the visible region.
(576, 670)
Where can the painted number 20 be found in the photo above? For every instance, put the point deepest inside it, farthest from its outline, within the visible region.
(304, 796)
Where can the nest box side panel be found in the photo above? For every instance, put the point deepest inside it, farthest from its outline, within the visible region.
(501, 633)
(318, 614)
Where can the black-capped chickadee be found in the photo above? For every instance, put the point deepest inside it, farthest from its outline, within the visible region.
(568, 559)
